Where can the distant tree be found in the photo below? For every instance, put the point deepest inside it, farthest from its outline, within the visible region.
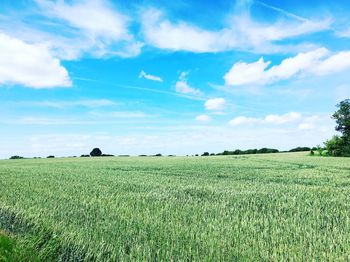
(205, 154)
(237, 152)
(85, 156)
(51, 156)
(342, 118)
(108, 155)
(250, 151)
(96, 152)
(196, 155)
(312, 153)
(158, 154)
(16, 157)
(300, 149)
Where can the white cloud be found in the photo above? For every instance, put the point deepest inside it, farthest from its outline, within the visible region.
(312, 122)
(203, 118)
(161, 33)
(143, 74)
(183, 87)
(317, 62)
(243, 120)
(269, 119)
(335, 63)
(242, 33)
(215, 104)
(282, 119)
(242, 73)
(30, 65)
(95, 17)
(93, 27)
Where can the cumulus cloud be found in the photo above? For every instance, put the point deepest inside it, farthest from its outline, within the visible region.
(242, 33)
(183, 87)
(143, 74)
(269, 119)
(203, 118)
(215, 104)
(317, 62)
(30, 65)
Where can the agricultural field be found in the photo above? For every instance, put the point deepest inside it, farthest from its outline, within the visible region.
(272, 207)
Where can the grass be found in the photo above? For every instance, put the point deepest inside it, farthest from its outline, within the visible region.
(236, 208)
(12, 251)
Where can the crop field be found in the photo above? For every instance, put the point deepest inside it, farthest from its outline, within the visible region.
(270, 207)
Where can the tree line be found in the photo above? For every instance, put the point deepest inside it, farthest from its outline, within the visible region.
(338, 145)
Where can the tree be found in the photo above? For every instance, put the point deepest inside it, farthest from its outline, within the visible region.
(319, 149)
(335, 146)
(205, 154)
(342, 118)
(96, 152)
(16, 157)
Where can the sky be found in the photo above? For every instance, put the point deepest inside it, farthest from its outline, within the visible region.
(172, 77)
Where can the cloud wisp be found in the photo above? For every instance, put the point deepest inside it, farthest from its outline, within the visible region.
(183, 87)
(143, 74)
(96, 27)
(242, 33)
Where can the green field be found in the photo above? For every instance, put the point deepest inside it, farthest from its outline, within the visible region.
(247, 208)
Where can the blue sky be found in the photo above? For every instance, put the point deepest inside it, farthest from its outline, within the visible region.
(171, 77)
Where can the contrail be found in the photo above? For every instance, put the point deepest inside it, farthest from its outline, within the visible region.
(286, 13)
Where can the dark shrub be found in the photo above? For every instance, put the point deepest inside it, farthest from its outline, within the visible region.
(16, 157)
(96, 152)
(108, 155)
(300, 149)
